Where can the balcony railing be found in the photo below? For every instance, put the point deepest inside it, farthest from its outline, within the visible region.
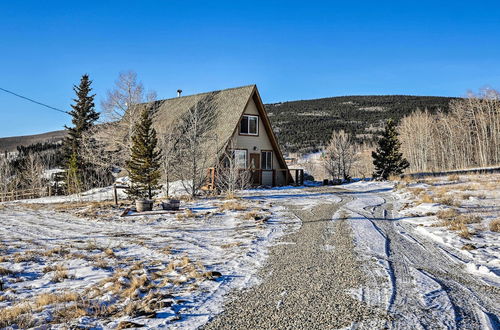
(260, 177)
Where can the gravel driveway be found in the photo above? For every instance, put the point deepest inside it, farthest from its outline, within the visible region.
(318, 279)
(306, 281)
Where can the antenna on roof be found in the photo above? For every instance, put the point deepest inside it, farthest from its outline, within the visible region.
(179, 92)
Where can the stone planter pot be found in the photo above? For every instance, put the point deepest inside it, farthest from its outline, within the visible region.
(143, 205)
(171, 204)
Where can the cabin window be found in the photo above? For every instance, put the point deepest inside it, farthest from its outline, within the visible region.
(249, 125)
(240, 157)
(266, 160)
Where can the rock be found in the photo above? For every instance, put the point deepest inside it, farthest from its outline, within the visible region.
(128, 325)
(213, 275)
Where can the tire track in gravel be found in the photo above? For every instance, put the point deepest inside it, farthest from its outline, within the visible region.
(471, 300)
(306, 284)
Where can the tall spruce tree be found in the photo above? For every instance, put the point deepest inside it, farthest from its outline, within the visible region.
(144, 164)
(84, 117)
(388, 160)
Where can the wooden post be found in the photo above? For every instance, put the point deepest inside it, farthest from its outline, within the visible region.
(287, 177)
(115, 191)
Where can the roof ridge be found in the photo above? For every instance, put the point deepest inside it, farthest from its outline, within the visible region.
(220, 90)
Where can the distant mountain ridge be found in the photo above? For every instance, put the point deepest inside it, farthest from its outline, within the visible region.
(10, 144)
(305, 125)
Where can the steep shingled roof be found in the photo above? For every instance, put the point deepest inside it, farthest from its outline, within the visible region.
(229, 105)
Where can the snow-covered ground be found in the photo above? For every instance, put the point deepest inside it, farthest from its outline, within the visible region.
(157, 270)
(74, 261)
(435, 205)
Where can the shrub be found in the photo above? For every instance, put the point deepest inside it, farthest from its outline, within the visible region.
(463, 231)
(232, 206)
(468, 218)
(469, 247)
(61, 273)
(5, 271)
(447, 200)
(447, 214)
(426, 198)
(495, 225)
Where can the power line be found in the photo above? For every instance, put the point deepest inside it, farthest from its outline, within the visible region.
(31, 100)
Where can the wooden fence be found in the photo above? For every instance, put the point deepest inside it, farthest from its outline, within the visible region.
(25, 194)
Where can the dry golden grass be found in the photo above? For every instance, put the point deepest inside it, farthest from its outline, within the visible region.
(232, 206)
(34, 206)
(426, 198)
(136, 283)
(464, 232)
(166, 250)
(25, 256)
(19, 314)
(400, 185)
(251, 215)
(230, 196)
(186, 198)
(468, 218)
(469, 247)
(466, 196)
(448, 200)
(230, 245)
(417, 191)
(101, 263)
(447, 214)
(58, 250)
(5, 271)
(92, 245)
(49, 298)
(188, 213)
(60, 273)
(109, 252)
(453, 177)
(68, 313)
(495, 225)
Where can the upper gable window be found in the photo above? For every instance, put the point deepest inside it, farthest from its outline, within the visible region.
(249, 125)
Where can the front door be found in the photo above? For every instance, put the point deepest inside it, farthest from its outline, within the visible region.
(254, 164)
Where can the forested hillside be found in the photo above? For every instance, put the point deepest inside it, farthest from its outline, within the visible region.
(304, 126)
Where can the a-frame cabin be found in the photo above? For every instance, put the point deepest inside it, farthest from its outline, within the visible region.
(243, 121)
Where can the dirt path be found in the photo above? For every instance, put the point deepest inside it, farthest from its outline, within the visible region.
(363, 269)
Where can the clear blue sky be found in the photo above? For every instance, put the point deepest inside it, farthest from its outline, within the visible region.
(291, 50)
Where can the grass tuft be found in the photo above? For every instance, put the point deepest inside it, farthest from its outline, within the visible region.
(495, 225)
(232, 206)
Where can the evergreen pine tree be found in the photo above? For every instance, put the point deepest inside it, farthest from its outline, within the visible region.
(144, 164)
(388, 160)
(84, 117)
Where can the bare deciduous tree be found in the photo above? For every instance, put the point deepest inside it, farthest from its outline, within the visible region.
(33, 174)
(121, 111)
(229, 177)
(168, 143)
(194, 147)
(6, 177)
(467, 136)
(340, 155)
